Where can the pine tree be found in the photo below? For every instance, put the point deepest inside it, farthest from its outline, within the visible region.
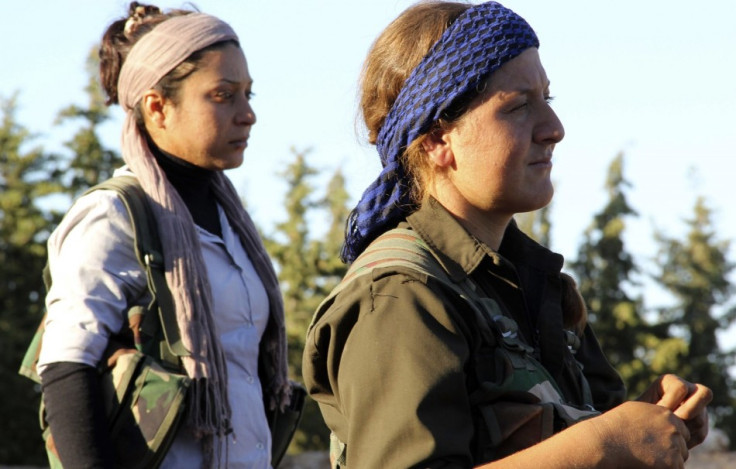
(695, 271)
(25, 224)
(91, 161)
(297, 256)
(606, 273)
(27, 175)
(335, 201)
(309, 267)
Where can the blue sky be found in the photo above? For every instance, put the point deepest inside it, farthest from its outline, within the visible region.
(653, 79)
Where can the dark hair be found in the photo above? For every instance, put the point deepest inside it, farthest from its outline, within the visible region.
(393, 56)
(123, 34)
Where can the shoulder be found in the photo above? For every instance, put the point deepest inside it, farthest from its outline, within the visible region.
(390, 302)
(383, 284)
(397, 274)
(100, 213)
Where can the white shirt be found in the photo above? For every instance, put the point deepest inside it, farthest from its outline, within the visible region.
(96, 278)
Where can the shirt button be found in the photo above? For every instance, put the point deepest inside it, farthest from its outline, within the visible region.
(259, 446)
(250, 379)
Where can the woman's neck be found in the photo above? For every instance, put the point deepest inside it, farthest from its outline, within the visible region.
(182, 174)
(488, 227)
(194, 185)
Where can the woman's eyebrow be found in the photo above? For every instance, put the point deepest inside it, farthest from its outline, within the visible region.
(524, 88)
(235, 82)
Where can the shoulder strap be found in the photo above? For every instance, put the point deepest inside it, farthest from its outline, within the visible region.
(405, 248)
(148, 252)
(395, 248)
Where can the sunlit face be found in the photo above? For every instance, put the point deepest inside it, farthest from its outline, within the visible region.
(210, 121)
(501, 149)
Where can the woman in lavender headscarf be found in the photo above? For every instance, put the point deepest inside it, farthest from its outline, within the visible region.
(454, 339)
(184, 84)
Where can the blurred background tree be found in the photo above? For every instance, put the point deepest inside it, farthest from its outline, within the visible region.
(27, 177)
(695, 272)
(90, 161)
(34, 184)
(308, 267)
(607, 278)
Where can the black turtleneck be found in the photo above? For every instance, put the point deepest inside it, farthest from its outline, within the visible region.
(194, 185)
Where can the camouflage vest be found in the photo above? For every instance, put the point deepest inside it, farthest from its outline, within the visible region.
(511, 412)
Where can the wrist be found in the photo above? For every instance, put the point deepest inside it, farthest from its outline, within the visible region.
(597, 447)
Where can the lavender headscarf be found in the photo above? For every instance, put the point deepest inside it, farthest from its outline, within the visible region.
(152, 57)
(476, 44)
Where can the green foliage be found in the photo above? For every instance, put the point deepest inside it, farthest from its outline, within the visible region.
(91, 162)
(606, 273)
(309, 267)
(24, 228)
(695, 271)
(28, 176)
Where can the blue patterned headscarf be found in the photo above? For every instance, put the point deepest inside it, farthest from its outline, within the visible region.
(476, 44)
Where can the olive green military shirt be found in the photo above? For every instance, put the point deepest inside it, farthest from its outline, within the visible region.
(393, 359)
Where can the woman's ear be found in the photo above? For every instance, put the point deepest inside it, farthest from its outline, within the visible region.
(153, 107)
(438, 149)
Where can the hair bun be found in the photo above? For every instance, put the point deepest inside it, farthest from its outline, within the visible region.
(137, 13)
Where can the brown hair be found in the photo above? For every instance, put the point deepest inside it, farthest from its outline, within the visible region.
(574, 311)
(393, 56)
(123, 34)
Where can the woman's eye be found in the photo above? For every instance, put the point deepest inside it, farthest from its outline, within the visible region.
(549, 99)
(223, 95)
(518, 106)
(249, 95)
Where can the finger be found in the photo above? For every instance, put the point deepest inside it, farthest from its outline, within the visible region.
(697, 422)
(684, 450)
(682, 438)
(674, 391)
(698, 428)
(694, 405)
(683, 430)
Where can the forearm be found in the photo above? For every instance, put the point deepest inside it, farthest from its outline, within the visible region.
(632, 435)
(572, 448)
(76, 415)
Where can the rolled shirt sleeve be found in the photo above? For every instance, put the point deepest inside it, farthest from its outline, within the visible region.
(95, 279)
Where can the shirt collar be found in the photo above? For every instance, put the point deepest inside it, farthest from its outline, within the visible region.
(460, 253)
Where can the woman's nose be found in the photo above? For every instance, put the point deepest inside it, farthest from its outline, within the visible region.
(245, 114)
(550, 129)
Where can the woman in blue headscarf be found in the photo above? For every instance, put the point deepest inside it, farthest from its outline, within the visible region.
(454, 340)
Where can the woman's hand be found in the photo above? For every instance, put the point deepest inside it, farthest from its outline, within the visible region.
(639, 434)
(687, 400)
(634, 435)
